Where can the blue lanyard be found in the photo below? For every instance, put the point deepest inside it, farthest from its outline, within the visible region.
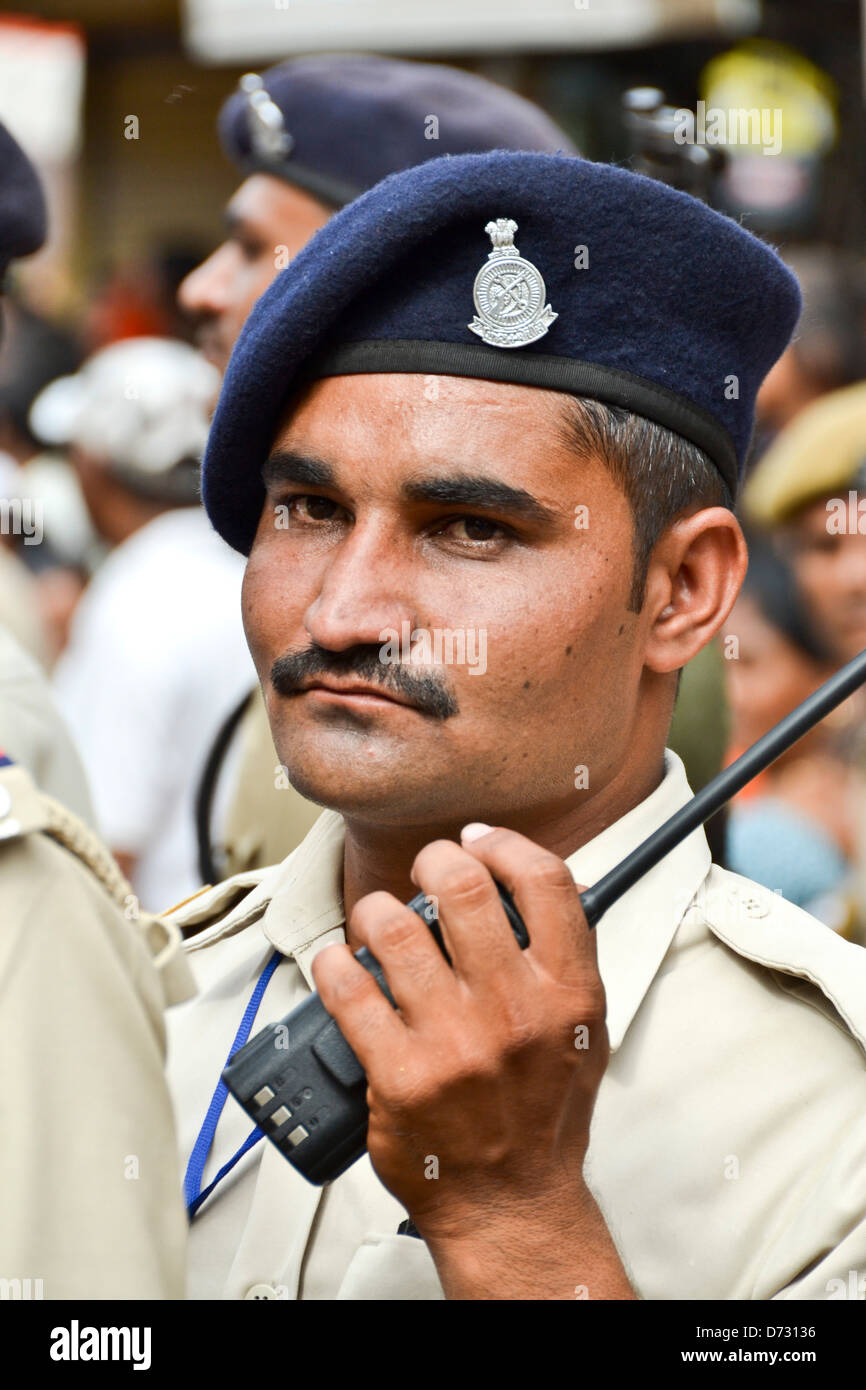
(202, 1147)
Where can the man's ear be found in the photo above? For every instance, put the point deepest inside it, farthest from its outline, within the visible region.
(694, 576)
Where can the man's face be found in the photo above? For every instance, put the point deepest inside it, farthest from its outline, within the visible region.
(769, 677)
(785, 391)
(391, 513)
(831, 572)
(268, 223)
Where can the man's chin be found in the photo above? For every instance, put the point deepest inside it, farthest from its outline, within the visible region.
(361, 792)
(214, 352)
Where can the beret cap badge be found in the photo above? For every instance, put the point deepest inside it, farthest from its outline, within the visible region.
(509, 293)
(269, 138)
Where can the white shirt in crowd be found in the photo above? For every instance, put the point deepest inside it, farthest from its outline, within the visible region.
(156, 659)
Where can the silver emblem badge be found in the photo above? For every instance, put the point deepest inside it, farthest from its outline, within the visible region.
(509, 293)
(267, 131)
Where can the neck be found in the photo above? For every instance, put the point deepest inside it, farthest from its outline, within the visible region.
(379, 858)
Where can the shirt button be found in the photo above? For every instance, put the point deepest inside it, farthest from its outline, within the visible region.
(263, 1291)
(754, 906)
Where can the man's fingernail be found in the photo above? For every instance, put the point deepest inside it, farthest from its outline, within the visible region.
(475, 830)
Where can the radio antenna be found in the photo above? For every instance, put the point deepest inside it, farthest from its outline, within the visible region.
(597, 899)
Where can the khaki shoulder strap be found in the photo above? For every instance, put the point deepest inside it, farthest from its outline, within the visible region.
(86, 845)
(763, 927)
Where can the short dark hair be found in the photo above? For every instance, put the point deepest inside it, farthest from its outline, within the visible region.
(660, 472)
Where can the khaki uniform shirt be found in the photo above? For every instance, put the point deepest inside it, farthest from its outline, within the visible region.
(90, 1200)
(728, 1143)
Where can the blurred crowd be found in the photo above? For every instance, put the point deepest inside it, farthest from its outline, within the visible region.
(799, 827)
(114, 583)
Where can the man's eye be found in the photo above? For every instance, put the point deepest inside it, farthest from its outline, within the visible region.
(311, 507)
(474, 528)
(821, 545)
(250, 250)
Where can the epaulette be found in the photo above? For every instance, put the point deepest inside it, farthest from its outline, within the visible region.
(222, 908)
(765, 928)
(25, 810)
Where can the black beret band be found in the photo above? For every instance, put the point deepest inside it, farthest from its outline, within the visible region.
(335, 192)
(566, 374)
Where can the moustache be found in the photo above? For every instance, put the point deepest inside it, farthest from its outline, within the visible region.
(203, 327)
(425, 692)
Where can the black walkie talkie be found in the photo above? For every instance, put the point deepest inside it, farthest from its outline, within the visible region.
(300, 1080)
(302, 1083)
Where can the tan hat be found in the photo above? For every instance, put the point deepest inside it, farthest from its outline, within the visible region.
(821, 451)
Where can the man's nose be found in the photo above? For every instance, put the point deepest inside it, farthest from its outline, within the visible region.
(205, 290)
(365, 593)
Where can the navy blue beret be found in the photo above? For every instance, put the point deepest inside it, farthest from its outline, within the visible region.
(22, 205)
(649, 300)
(336, 124)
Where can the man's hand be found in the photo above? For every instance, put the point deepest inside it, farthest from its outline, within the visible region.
(481, 1088)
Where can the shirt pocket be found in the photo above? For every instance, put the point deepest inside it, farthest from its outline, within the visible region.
(391, 1267)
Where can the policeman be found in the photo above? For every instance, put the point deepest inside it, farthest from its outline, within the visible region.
(310, 135)
(313, 133)
(22, 231)
(89, 1191)
(445, 420)
(32, 731)
(165, 604)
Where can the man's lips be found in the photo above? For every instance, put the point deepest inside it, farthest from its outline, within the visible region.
(354, 691)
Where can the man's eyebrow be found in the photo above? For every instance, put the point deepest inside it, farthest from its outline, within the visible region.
(465, 490)
(285, 466)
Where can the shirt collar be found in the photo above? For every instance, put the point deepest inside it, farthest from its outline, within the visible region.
(307, 890)
(633, 936)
